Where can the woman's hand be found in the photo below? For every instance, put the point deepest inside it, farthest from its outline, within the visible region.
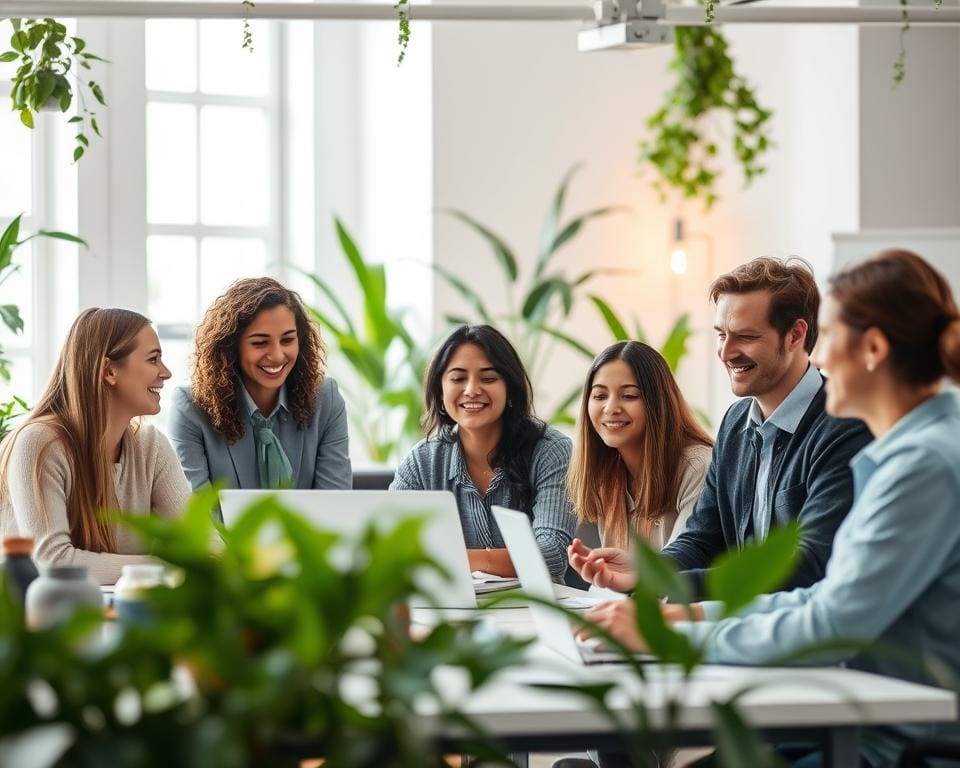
(606, 567)
(678, 612)
(619, 618)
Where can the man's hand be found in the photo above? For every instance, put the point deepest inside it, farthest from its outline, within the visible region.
(618, 617)
(606, 567)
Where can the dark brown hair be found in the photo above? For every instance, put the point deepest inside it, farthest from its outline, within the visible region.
(910, 302)
(216, 357)
(793, 291)
(598, 478)
(521, 430)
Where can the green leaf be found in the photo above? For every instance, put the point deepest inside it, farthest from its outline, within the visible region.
(8, 56)
(573, 227)
(60, 236)
(548, 234)
(10, 315)
(505, 257)
(20, 41)
(77, 153)
(93, 124)
(736, 578)
(465, 291)
(8, 241)
(26, 117)
(332, 296)
(738, 744)
(675, 346)
(613, 322)
(560, 413)
(537, 302)
(569, 341)
(658, 574)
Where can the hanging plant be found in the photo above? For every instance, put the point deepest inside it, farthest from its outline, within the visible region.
(682, 149)
(403, 19)
(900, 65)
(49, 59)
(247, 43)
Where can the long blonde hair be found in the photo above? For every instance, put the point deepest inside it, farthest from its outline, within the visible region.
(598, 479)
(74, 405)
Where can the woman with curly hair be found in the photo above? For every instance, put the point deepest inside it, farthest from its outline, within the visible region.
(260, 413)
(484, 444)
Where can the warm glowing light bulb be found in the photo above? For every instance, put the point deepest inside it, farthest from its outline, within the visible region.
(678, 261)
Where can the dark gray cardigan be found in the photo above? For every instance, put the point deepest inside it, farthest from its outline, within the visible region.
(811, 482)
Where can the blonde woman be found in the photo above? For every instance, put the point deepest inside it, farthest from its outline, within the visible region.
(81, 450)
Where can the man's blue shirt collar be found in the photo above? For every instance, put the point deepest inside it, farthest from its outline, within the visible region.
(788, 414)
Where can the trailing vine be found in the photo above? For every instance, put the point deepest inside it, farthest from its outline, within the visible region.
(900, 65)
(47, 56)
(681, 149)
(403, 18)
(247, 43)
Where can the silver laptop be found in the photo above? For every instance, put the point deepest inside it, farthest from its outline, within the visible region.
(350, 512)
(554, 629)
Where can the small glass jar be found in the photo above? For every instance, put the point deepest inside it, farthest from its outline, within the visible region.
(59, 591)
(18, 566)
(129, 593)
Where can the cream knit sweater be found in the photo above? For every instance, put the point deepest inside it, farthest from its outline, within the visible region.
(148, 479)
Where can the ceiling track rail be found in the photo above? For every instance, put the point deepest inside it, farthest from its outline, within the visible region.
(600, 12)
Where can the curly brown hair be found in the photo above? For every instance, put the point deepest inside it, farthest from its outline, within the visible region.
(216, 356)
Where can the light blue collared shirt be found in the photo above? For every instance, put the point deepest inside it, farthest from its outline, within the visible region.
(893, 577)
(252, 406)
(786, 417)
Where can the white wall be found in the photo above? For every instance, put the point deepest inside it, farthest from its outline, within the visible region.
(515, 105)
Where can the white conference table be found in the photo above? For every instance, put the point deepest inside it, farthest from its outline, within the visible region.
(825, 704)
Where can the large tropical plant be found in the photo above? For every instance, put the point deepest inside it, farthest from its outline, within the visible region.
(272, 648)
(389, 364)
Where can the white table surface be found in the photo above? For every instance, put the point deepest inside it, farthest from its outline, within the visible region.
(828, 697)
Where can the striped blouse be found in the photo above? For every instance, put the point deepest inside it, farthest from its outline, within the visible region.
(437, 464)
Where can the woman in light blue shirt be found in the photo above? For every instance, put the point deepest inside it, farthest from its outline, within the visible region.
(260, 413)
(890, 332)
(484, 444)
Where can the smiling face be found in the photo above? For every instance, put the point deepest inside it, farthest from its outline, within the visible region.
(135, 381)
(840, 357)
(474, 394)
(268, 351)
(756, 358)
(616, 406)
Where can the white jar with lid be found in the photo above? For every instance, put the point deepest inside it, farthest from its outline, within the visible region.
(129, 593)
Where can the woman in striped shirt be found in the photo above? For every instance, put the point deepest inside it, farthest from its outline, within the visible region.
(486, 446)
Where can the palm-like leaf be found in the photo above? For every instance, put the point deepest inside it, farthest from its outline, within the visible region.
(675, 346)
(551, 225)
(503, 253)
(613, 322)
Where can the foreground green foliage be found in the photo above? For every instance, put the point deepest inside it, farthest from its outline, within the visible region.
(273, 647)
(736, 579)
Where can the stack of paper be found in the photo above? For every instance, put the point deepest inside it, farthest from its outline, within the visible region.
(488, 582)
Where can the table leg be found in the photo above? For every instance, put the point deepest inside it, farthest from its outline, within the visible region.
(842, 748)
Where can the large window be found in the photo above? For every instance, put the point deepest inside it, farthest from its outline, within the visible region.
(212, 175)
(38, 183)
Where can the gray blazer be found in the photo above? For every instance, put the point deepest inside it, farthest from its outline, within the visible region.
(319, 454)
